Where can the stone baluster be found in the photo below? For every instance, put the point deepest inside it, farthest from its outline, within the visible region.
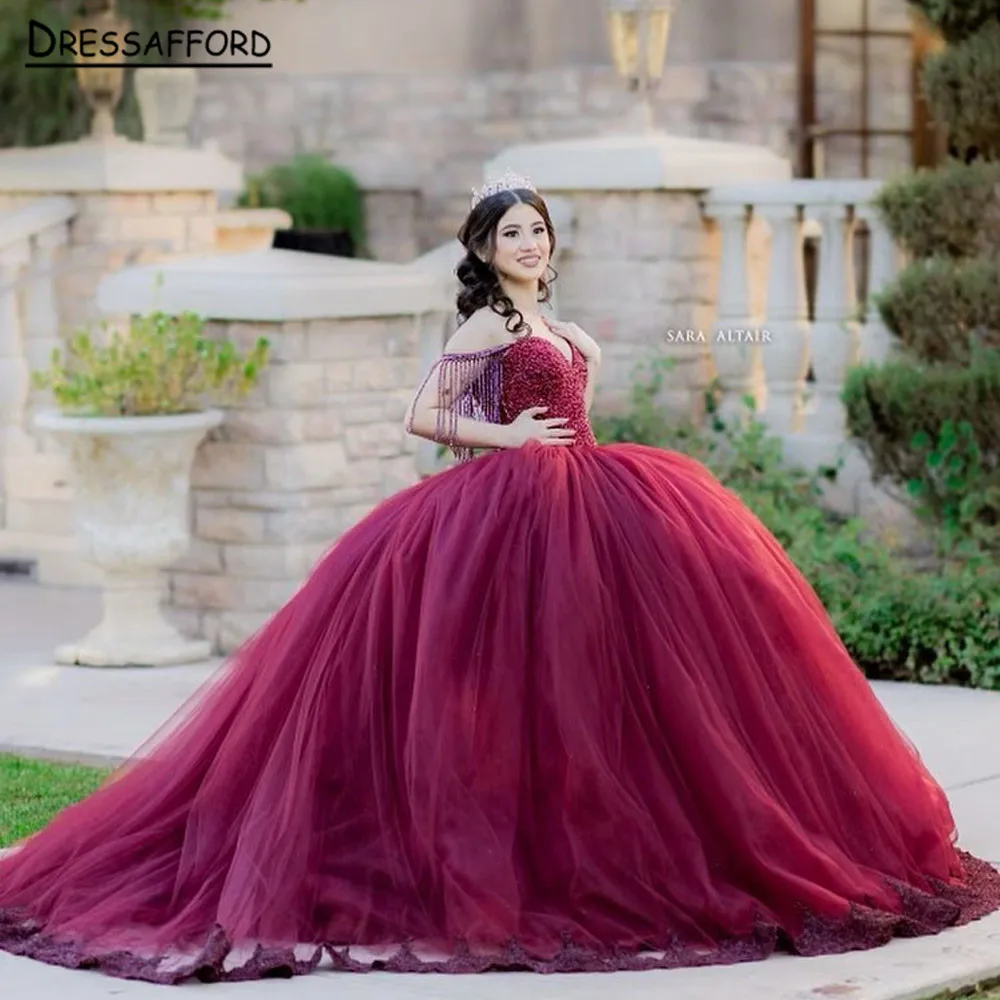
(736, 361)
(878, 344)
(14, 374)
(785, 343)
(41, 308)
(835, 333)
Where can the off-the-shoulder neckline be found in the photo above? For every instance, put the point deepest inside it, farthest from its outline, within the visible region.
(488, 351)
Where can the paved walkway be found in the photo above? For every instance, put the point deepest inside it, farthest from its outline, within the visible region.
(77, 713)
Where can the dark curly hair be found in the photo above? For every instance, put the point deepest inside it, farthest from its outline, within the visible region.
(480, 282)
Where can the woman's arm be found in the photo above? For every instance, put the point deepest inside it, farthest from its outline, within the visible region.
(472, 355)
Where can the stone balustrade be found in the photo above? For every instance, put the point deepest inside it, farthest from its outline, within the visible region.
(788, 345)
(34, 234)
(318, 443)
(70, 214)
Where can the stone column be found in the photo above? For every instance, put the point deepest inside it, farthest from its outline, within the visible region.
(130, 202)
(835, 335)
(14, 375)
(786, 350)
(736, 357)
(135, 203)
(886, 258)
(643, 273)
(33, 477)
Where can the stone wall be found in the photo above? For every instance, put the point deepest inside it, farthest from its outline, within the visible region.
(315, 447)
(642, 264)
(112, 231)
(433, 133)
(392, 223)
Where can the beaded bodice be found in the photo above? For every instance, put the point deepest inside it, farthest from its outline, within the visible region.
(496, 385)
(537, 373)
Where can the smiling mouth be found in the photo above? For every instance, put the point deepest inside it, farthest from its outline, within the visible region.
(529, 261)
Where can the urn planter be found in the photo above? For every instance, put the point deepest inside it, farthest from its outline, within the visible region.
(132, 483)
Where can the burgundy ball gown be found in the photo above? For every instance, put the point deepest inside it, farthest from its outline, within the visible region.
(556, 708)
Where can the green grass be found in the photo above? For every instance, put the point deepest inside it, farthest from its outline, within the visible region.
(33, 791)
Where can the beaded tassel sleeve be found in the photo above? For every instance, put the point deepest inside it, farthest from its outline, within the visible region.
(468, 385)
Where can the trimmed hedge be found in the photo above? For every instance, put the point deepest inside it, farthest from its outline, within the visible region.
(957, 19)
(953, 211)
(962, 87)
(935, 429)
(943, 309)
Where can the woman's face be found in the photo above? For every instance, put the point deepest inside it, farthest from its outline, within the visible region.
(523, 247)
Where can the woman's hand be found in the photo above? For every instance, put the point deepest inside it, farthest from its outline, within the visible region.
(584, 343)
(525, 427)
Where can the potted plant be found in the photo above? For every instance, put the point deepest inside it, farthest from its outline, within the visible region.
(131, 413)
(324, 201)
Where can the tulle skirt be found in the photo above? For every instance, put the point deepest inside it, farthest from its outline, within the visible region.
(559, 709)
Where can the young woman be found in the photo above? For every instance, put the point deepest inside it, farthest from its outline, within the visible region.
(563, 706)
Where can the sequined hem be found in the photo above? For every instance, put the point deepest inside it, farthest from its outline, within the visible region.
(864, 927)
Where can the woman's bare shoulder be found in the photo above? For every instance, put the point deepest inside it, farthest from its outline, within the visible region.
(482, 331)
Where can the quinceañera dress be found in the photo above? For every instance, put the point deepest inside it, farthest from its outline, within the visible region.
(563, 708)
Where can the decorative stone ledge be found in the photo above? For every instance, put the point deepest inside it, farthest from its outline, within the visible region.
(274, 286)
(243, 229)
(649, 161)
(795, 192)
(121, 166)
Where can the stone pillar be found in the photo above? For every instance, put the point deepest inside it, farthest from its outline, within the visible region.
(886, 258)
(14, 375)
(642, 276)
(135, 203)
(737, 358)
(786, 350)
(128, 203)
(33, 477)
(835, 335)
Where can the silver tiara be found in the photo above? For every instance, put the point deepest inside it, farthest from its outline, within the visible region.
(508, 181)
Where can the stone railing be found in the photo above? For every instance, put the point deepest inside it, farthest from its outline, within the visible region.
(318, 443)
(798, 263)
(33, 235)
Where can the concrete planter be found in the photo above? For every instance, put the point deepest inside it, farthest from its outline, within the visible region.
(132, 479)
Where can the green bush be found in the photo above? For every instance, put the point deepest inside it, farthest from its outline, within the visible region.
(165, 364)
(942, 309)
(935, 429)
(317, 195)
(43, 106)
(952, 211)
(957, 19)
(934, 628)
(929, 418)
(962, 87)
(931, 627)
